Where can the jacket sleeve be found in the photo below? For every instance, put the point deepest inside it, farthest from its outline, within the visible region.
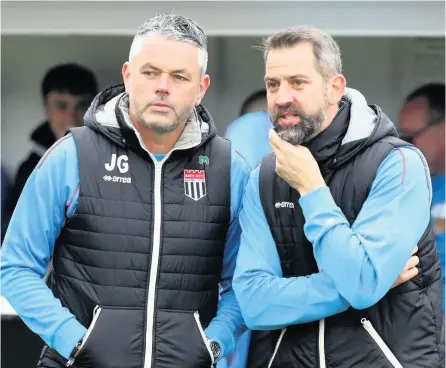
(365, 259)
(228, 325)
(48, 196)
(269, 301)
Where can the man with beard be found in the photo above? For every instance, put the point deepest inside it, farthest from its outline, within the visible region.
(329, 220)
(139, 210)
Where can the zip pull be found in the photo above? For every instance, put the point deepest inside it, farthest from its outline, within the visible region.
(382, 345)
(96, 310)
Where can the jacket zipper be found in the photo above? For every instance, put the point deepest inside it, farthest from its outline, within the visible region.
(153, 280)
(322, 363)
(96, 312)
(200, 328)
(279, 340)
(381, 344)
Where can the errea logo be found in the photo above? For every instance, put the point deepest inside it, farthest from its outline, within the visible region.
(284, 205)
(122, 163)
(117, 179)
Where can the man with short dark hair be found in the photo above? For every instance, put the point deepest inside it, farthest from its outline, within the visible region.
(249, 132)
(329, 220)
(67, 91)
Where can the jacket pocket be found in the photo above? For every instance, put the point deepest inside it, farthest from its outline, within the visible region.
(114, 339)
(180, 340)
(381, 344)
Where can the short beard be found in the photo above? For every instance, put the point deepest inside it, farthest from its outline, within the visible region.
(161, 128)
(305, 129)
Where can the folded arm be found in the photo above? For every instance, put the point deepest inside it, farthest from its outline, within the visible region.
(268, 300)
(365, 259)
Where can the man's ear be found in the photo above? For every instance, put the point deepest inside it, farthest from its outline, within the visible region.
(126, 75)
(335, 88)
(204, 85)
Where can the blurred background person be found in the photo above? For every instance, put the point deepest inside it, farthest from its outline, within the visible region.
(67, 91)
(249, 132)
(256, 101)
(422, 123)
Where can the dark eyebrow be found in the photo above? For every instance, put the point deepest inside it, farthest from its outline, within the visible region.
(148, 65)
(298, 76)
(294, 76)
(178, 71)
(269, 79)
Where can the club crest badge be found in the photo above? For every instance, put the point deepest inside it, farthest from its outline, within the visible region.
(194, 184)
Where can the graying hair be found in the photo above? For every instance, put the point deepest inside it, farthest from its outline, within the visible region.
(176, 28)
(325, 48)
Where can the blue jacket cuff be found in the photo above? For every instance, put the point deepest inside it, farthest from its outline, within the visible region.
(67, 337)
(220, 334)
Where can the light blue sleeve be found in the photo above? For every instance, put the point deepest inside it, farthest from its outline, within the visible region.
(269, 301)
(228, 325)
(50, 192)
(365, 259)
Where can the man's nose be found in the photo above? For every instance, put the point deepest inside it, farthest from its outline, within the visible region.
(284, 95)
(162, 86)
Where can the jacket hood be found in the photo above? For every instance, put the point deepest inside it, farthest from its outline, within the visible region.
(367, 124)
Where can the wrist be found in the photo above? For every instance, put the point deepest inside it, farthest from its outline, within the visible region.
(75, 353)
(305, 189)
(67, 336)
(215, 349)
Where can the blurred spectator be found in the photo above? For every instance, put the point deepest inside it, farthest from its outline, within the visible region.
(254, 102)
(5, 192)
(249, 132)
(422, 122)
(67, 91)
(249, 136)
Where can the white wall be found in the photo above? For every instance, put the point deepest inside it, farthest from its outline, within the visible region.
(222, 18)
(384, 69)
